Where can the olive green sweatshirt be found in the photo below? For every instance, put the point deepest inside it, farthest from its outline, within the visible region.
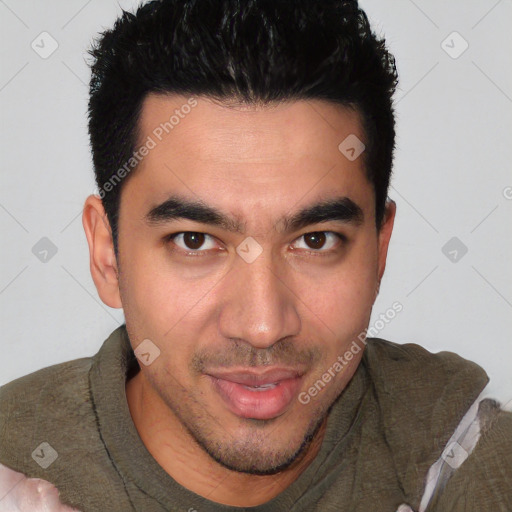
(70, 424)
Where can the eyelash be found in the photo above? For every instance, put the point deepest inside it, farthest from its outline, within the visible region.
(202, 253)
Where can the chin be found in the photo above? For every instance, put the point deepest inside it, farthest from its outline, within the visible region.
(254, 456)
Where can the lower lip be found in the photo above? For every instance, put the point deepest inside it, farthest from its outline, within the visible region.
(260, 404)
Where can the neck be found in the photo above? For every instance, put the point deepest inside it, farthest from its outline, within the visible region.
(191, 466)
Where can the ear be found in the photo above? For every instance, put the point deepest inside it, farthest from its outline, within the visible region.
(384, 237)
(103, 262)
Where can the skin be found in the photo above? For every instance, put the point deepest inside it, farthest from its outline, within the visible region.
(297, 304)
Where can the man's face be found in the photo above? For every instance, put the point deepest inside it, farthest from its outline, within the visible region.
(250, 310)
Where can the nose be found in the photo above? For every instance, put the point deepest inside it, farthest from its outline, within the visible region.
(259, 305)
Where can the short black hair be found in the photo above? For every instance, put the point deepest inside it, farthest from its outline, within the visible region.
(250, 51)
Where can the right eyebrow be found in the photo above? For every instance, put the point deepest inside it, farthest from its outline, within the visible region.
(179, 208)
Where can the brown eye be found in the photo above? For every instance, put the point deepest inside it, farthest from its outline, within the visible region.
(193, 240)
(315, 240)
(320, 242)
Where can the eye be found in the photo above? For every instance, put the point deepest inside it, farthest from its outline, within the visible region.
(320, 241)
(192, 242)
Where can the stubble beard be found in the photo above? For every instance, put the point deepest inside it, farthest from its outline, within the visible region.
(251, 454)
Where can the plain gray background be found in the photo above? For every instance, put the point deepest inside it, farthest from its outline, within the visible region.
(452, 178)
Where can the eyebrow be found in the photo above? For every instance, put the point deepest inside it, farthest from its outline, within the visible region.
(341, 209)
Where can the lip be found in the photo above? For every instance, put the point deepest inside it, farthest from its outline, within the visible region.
(280, 388)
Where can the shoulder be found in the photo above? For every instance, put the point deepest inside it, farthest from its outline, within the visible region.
(394, 355)
(58, 383)
(482, 482)
(424, 390)
(421, 399)
(415, 370)
(31, 407)
(50, 427)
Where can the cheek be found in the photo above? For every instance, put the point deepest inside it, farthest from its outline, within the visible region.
(342, 297)
(357, 289)
(359, 279)
(147, 293)
(158, 298)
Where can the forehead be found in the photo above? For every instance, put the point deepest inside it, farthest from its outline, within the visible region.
(272, 155)
(227, 131)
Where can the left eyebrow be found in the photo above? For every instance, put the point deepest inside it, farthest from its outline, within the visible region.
(341, 209)
(338, 209)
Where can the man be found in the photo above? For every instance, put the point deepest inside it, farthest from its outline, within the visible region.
(243, 152)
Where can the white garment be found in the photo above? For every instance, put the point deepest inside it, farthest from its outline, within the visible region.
(456, 451)
(21, 494)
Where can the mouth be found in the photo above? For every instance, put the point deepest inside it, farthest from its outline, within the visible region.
(261, 396)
